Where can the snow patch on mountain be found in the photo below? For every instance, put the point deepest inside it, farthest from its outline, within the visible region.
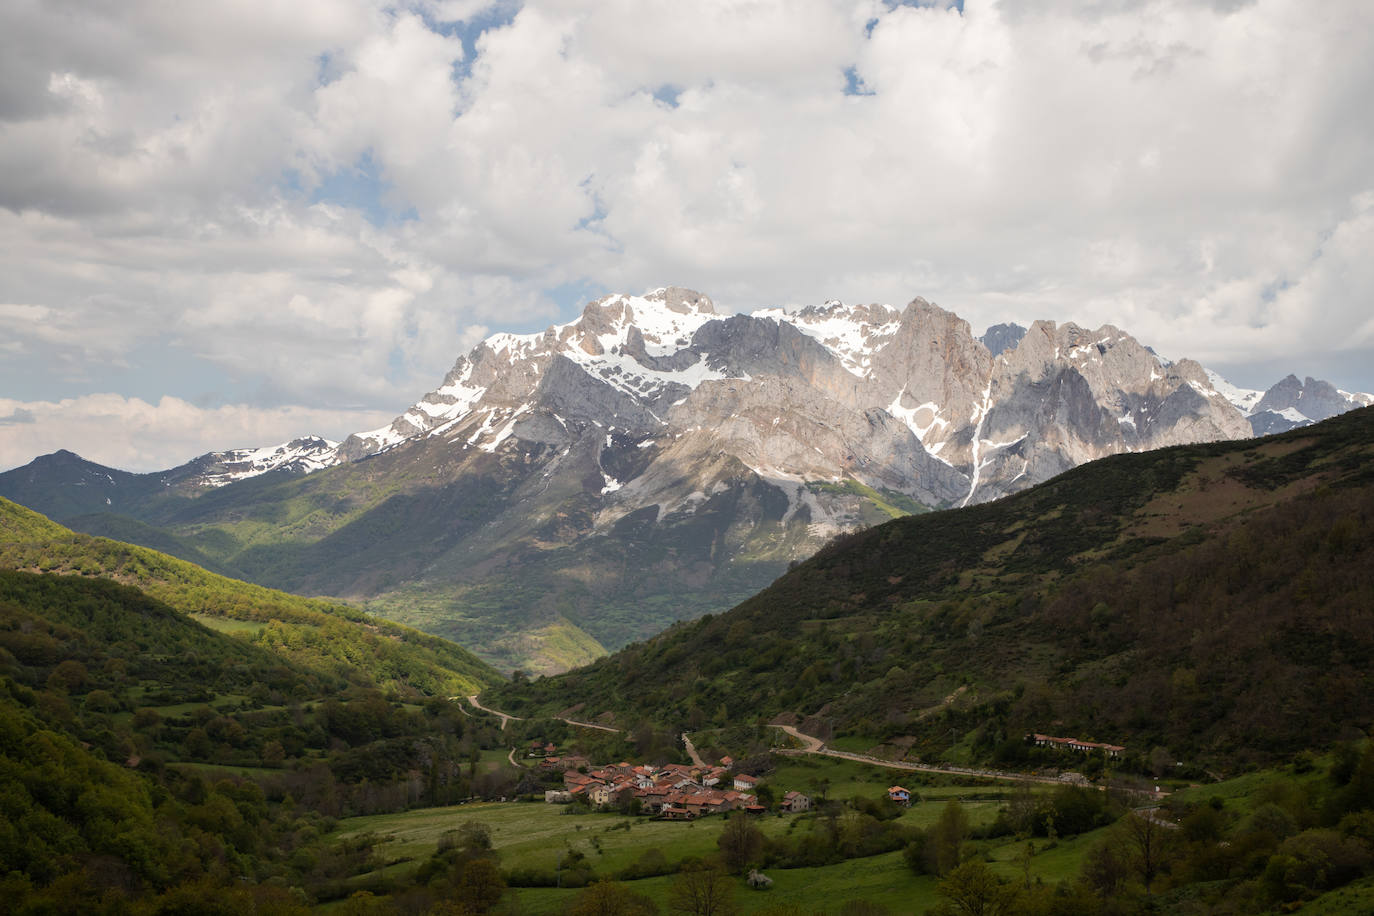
(301, 456)
(667, 373)
(921, 420)
(1244, 399)
(852, 333)
(627, 374)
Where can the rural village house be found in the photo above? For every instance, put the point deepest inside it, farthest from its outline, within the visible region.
(1074, 744)
(672, 792)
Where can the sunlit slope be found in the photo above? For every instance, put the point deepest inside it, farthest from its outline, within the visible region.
(319, 633)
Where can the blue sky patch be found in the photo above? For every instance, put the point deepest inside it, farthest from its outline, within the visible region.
(361, 187)
(854, 84)
(668, 94)
(469, 30)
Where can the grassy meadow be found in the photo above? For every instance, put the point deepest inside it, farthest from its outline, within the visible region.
(534, 835)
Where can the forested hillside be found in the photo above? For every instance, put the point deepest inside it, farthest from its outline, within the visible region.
(1206, 604)
(316, 634)
(144, 756)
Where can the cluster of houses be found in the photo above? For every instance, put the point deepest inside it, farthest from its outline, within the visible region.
(1074, 744)
(672, 792)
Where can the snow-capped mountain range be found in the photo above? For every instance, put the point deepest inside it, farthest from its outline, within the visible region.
(301, 456)
(567, 492)
(907, 400)
(1289, 403)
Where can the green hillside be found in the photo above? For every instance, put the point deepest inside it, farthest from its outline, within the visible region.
(504, 553)
(132, 531)
(1206, 604)
(145, 757)
(318, 634)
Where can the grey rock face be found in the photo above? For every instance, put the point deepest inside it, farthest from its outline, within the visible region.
(1316, 400)
(1290, 403)
(1268, 423)
(1002, 337)
(905, 401)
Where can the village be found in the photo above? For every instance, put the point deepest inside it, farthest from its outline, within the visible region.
(672, 791)
(684, 792)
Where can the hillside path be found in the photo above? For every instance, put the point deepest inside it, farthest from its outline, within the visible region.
(507, 717)
(604, 728)
(692, 751)
(504, 716)
(815, 745)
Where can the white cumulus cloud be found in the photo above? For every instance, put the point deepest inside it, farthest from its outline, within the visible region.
(318, 205)
(136, 435)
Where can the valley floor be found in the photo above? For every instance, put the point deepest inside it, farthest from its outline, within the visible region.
(534, 836)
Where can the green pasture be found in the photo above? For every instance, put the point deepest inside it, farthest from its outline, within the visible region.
(1243, 793)
(536, 835)
(228, 624)
(836, 778)
(854, 744)
(881, 879)
(1355, 899)
(533, 835)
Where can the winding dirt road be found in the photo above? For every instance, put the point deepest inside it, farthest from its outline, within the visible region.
(814, 745)
(507, 717)
(692, 751)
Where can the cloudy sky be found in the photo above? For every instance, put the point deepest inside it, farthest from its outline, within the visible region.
(228, 224)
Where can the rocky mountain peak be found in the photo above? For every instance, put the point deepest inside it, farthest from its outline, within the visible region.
(659, 445)
(772, 388)
(906, 399)
(1288, 403)
(683, 301)
(1314, 399)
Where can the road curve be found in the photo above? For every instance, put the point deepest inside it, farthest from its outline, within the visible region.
(504, 716)
(812, 744)
(507, 717)
(815, 745)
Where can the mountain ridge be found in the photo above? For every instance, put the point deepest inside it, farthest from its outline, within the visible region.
(566, 492)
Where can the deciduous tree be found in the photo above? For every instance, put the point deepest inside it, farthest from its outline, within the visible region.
(973, 890)
(702, 890)
(740, 843)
